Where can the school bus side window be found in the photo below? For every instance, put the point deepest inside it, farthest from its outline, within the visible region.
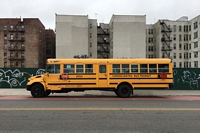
(163, 67)
(53, 69)
(152, 68)
(102, 68)
(79, 68)
(143, 68)
(116, 68)
(68, 68)
(125, 68)
(134, 68)
(88, 68)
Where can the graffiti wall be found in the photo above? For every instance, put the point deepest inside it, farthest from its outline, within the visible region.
(12, 78)
(184, 78)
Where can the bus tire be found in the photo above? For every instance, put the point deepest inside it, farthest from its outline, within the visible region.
(47, 93)
(116, 92)
(124, 91)
(37, 91)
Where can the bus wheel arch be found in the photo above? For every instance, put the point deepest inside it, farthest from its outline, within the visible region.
(37, 90)
(124, 90)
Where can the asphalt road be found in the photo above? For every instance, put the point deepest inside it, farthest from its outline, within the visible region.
(91, 116)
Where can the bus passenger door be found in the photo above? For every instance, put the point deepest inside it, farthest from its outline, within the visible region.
(54, 76)
(102, 81)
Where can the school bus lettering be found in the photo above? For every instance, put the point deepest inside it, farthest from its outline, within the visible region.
(124, 75)
(79, 76)
(118, 75)
(145, 75)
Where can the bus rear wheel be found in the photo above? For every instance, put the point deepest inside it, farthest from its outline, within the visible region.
(124, 91)
(37, 91)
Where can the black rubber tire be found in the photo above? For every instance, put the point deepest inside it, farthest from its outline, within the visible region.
(116, 92)
(47, 93)
(124, 91)
(37, 91)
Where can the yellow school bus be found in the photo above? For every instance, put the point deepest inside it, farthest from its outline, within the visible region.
(118, 75)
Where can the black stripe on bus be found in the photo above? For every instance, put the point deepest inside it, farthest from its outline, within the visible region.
(71, 83)
(138, 78)
(79, 79)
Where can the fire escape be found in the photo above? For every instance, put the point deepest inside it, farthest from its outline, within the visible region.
(16, 47)
(102, 43)
(166, 40)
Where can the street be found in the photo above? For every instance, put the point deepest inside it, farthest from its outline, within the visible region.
(158, 114)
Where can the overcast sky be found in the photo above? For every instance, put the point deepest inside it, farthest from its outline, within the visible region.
(101, 10)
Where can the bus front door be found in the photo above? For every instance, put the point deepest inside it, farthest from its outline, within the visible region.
(102, 80)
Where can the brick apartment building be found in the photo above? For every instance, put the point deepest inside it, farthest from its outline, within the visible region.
(23, 43)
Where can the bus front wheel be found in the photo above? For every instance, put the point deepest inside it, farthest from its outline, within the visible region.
(124, 91)
(37, 91)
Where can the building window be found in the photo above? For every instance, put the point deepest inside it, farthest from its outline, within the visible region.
(5, 27)
(150, 48)
(180, 64)
(189, 46)
(189, 37)
(195, 44)
(185, 37)
(22, 64)
(22, 46)
(180, 55)
(90, 35)
(174, 46)
(90, 54)
(11, 27)
(11, 36)
(195, 35)
(90, 44)
(150, 31)
(5, 36)
(189, 55)
(174, 55)
(196, 64)
(180, 28)
(5, 55)
(22, 55)
(5, 46)
(150, 40)
(90, 26)
(174, 64)
(189, 27)
(22, 35)
(195, 25)
(180, 46)
(180, 38)
(196, 54)
(11, 64)
(174, 37)
(185, 28)
(189, 64)
(11, 46)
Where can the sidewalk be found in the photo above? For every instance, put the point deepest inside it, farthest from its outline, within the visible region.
(24, 92)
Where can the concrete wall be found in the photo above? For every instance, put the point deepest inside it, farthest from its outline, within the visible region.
(127, 36)
(71, 35)
(92, 37)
